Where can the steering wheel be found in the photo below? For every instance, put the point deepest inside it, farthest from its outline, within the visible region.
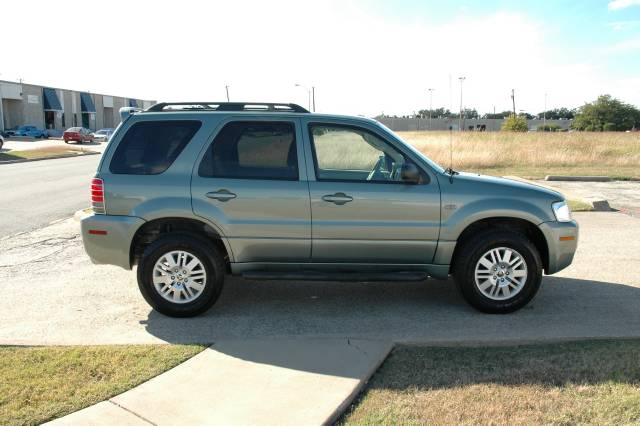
(376, 173)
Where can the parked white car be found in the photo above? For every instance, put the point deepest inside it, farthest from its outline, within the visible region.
(102, 135)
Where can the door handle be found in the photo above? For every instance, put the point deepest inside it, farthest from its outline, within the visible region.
(338, 198)
(221, 195)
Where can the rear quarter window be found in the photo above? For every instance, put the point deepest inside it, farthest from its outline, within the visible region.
(150, 147)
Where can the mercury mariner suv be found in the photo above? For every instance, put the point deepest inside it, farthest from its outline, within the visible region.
(192, 192)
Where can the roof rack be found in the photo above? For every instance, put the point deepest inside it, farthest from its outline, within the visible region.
(226, 106)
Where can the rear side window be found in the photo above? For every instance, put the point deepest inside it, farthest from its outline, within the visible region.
(150, 147)
(252, 150)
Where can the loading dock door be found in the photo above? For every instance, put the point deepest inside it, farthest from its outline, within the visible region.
(51, 105)
(88, 109)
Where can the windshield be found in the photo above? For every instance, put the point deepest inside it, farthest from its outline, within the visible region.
(413, 149)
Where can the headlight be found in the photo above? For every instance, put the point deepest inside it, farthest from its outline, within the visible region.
(561, 211)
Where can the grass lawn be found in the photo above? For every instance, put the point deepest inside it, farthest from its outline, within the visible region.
(534, 155)
(594, 382)
(41, 383)
(38, 153)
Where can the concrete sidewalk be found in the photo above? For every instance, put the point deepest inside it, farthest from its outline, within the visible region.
(248, 382)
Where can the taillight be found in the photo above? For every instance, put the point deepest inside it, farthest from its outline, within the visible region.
(97, 196)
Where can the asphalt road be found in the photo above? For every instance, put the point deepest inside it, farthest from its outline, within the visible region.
(52, 294)
(33, 194)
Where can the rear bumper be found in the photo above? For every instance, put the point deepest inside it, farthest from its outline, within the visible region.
(562, 242)
(110, 241)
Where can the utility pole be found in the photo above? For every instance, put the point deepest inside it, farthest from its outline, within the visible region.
(461, 110)
(430, 106)
(513, 99)
(544, 114)
(227, 89)
(313, 96)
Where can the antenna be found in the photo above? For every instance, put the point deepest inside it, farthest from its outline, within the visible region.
(450, 134)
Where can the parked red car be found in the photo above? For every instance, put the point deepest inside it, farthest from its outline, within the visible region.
(77, 134)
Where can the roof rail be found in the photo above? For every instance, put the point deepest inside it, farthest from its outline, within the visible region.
(226, 106)
(125, 112)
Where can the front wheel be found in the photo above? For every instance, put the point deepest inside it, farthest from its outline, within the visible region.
(498, 271)
(181, 275)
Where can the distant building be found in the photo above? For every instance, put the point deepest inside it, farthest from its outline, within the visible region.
(58, 109)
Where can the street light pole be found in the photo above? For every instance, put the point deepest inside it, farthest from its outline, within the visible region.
(308, 94)
(430, 106)
(227, 89)
(462, 79)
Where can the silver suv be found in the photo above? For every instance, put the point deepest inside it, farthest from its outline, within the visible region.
(191, 192)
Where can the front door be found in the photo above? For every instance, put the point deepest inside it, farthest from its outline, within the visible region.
(363, 212)
(251, 183)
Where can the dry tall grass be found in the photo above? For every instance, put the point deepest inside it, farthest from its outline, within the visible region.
(473, 150)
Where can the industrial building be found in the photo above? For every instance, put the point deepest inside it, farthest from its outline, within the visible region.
(57, 109)
(468, 124)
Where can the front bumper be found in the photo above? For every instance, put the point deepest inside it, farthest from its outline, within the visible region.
(107, 239)
(562, 242)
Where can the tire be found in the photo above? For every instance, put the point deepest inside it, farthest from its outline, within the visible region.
(66, 141)
(503, 290)
(212, 264)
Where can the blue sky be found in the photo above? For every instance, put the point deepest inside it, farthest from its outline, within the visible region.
(363, 57)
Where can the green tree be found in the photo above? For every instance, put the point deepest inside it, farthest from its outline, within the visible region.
(500, 115)
(515, 124)
(548, 128)
(558, 114)
(607, 114)
(435, 113)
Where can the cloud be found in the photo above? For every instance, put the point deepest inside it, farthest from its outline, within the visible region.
(622, 4)
(625, 46)
(623, 25)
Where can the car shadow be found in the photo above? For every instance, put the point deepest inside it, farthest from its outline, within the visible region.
(431, 312)
(93, 143)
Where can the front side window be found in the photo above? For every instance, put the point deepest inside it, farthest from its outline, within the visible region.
(354, 154)
(252, 150)
(150, 147)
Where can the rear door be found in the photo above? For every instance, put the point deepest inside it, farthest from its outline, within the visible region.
(362, 210)
(251, 181)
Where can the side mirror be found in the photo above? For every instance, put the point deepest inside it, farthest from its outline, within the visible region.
(409, 173)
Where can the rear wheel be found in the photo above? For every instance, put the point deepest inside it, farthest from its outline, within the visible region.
(498, 271)
(181, 275)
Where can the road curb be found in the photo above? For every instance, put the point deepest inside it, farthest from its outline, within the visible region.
(55, 157)
(80, 214)
(552, 178)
